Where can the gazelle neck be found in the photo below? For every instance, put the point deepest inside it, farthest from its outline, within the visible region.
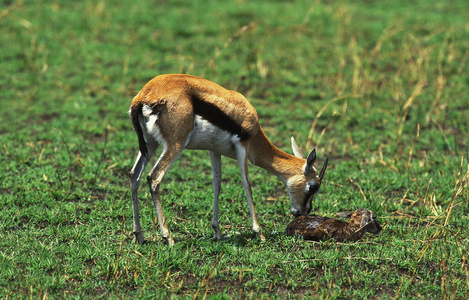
(264, 154)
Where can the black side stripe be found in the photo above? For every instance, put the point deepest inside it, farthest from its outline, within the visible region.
(217, 117)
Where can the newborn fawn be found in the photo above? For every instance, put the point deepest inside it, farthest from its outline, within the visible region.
(318, 228)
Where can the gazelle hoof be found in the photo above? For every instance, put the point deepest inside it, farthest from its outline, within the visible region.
(218, 235)
(261, 236)
(139, 238)
(168, 240)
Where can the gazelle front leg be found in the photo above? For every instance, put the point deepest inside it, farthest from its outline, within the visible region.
(241, 156)
(215, 160)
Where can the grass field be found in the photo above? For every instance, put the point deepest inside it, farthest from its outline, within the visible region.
(381, 87)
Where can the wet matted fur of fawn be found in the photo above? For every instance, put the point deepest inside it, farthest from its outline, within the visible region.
(319, 228)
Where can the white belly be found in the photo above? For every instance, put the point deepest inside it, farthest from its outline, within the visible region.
(207, 136)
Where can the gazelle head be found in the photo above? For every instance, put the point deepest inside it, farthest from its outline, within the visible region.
(303, 187)
(363, 219)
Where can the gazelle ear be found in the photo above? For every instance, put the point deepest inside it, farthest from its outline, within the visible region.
(310, 161)
(345, 214)
(323, 168)
(296, 150)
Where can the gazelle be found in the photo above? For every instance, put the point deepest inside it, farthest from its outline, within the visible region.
(319, 228)
(183, 111)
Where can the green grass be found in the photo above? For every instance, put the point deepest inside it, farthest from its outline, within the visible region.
(379, 86)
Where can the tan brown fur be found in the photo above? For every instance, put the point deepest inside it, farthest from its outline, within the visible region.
(176, 90)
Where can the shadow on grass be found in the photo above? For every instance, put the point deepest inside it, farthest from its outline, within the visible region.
(239, 239)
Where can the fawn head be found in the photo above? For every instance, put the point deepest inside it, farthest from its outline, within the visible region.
(363, 218)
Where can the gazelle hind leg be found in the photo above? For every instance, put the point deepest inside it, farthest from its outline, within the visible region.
(215, 160)
(135, 177)
(167, 158)
(241, 156)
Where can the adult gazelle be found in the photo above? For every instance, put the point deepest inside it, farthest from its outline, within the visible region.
(187, 112)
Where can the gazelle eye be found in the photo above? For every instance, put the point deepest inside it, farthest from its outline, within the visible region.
(313, 188)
